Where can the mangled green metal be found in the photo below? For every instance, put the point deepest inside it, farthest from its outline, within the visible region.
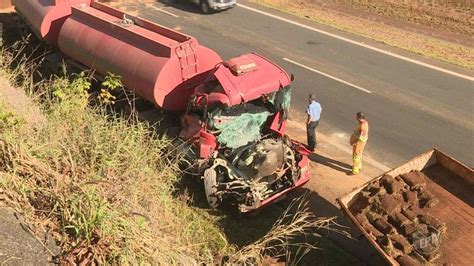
(242, 129)
(281, 99)
(238, 127)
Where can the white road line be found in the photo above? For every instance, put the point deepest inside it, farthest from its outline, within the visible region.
(366, 159)
(446, 71)
(327, 75)
(164, 11)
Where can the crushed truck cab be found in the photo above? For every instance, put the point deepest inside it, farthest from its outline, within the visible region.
(233, 112)
(237, 121)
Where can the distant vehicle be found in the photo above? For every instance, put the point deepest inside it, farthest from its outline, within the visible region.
(209, 6)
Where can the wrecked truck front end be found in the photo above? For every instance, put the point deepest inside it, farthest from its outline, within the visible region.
(255, 175)
(246, 160)
(254, 165)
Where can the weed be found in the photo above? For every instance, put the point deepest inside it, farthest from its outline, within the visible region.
(286, 238)
(7, 119)
(111, 83)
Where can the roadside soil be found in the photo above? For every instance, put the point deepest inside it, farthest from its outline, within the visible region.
(428, 28)
(448, 20)
(18, 246)
(20, 104)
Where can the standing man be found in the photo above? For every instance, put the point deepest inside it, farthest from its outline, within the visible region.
(314, 113)
(358, 140)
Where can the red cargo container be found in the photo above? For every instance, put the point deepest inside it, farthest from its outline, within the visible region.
(159, 64)
(46, 17)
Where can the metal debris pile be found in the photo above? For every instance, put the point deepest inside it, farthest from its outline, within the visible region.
(249, 175)
(394, 211)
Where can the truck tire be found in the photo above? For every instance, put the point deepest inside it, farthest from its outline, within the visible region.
(210, 187)
(52, 64)
(205, 8)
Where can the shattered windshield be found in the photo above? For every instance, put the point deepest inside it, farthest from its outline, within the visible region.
(281, 99)
(239, 125)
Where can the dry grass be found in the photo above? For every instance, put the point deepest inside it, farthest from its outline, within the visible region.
(99, 184)
(102, 186)
(285, 239)
(394, 36)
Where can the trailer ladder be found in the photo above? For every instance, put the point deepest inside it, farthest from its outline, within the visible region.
(188, 60)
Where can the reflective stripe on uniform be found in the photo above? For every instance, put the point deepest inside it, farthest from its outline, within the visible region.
(356, 169)
(357, 157)
(361, 138)
(356, 162)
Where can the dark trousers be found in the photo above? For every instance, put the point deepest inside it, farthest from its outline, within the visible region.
(311, 134)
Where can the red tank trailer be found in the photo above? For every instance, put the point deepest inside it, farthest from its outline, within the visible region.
(233, 112)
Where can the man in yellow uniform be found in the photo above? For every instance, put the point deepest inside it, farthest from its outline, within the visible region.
(358, 141)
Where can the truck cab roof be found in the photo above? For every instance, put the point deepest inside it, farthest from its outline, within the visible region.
(248, 77)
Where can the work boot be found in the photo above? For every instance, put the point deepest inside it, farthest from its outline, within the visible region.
(355, 171)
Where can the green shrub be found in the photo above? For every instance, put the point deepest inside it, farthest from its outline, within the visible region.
(102, 184)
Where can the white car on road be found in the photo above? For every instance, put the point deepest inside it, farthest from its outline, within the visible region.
(208, 6)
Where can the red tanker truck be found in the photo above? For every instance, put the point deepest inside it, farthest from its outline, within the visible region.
(233, 112)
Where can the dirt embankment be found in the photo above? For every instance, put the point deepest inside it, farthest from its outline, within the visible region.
(20, 104)
(18, 245)
(443, 17)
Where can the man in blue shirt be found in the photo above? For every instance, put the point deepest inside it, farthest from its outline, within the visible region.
(314, 113)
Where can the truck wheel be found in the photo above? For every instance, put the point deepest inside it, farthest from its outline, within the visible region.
(210, 187)
(205, 8)
(52, 64)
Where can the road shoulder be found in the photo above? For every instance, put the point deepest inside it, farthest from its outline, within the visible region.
(18, 245)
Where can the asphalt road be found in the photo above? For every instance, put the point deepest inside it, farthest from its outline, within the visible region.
(411, 108)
